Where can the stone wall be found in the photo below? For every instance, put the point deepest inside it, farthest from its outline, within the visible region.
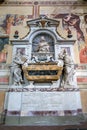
(72, 16)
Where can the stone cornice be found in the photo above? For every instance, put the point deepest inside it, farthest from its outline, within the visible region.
(66, 3)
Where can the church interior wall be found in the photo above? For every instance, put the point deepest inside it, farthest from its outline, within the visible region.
(73, 26)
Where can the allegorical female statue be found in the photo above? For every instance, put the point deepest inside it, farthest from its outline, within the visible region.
(16, 68)
(68, 68)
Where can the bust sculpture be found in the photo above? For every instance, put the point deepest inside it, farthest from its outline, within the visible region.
(43, 46)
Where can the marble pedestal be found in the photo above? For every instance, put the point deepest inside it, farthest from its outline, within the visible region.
(51, 103)
(45, 101)
(43, 105)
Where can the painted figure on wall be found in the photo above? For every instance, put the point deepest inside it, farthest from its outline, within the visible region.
(71, 20)
(6, 21)
(9, 23)
(3, 49)
(85, 19)
(83, 55)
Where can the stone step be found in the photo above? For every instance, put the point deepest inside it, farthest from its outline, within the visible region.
(44, 120)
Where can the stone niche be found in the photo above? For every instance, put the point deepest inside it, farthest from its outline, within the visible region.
(41, 93)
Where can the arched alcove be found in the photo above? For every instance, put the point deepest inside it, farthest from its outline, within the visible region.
(37, 39)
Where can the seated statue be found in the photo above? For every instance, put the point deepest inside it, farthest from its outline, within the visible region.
(43, 46)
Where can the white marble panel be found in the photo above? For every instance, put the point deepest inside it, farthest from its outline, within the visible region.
(81, 73)
(14, 101)
(71, 100)
(50, 101)
(41, 101)
(56, 51)
(42, 85)
(4, 72)
(29, 50)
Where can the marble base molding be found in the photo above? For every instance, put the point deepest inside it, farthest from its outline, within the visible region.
(46, 113)
(26, 89)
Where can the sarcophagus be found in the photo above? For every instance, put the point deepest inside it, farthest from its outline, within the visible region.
(42, 72)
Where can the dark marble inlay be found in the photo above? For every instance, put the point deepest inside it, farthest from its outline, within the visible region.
(47, 113)
(14, 113)
(43, 89)
(55, 113)
(42, 72)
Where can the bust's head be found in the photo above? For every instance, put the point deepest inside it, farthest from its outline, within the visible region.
(42, 38)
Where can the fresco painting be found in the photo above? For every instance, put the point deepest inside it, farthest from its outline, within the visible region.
(69, 22)
(73, 21)
(3, 49)
(83, 49)
(85, 20)
(6, 21)
(83, 55)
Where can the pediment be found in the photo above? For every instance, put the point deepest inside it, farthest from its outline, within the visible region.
(43, 21)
